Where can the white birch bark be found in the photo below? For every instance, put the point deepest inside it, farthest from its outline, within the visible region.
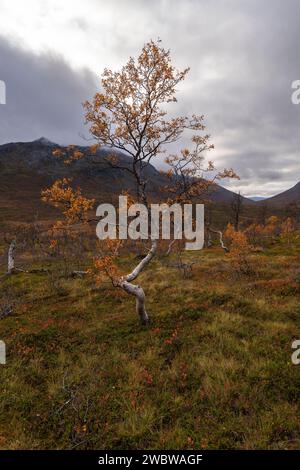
(136, 290)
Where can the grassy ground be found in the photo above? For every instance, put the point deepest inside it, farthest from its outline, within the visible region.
(213, 370)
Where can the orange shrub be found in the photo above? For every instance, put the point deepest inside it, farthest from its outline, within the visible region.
(240, 250)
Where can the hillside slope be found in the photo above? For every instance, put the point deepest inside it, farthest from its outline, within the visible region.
(290, 196)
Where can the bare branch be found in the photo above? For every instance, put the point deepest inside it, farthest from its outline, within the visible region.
(218, 232)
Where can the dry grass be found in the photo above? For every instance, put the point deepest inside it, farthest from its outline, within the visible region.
(213, 370)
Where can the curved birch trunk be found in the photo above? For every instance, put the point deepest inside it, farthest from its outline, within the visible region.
(136, 290)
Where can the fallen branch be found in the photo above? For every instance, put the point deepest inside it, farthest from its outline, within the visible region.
(79, 273)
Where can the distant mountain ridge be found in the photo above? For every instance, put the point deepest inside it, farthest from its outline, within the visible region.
(290, 196)
(28, 167)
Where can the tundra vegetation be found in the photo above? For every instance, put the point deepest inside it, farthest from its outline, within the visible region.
(212, 368)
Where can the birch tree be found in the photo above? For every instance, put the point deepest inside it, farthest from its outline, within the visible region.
(130, 115)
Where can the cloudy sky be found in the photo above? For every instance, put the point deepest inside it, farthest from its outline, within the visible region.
(243, 56)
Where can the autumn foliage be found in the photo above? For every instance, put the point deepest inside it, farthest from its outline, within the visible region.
(73, 204)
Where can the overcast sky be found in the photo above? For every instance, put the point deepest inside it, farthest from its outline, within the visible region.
(243, 54)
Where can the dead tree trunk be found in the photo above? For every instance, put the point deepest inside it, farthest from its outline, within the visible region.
(11, 257)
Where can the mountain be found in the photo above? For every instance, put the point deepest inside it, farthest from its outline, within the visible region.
(257, 198)
(28, 167)
(290, 196)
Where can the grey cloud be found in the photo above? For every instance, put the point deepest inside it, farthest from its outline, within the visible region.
(243, 57)
(44, 96)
